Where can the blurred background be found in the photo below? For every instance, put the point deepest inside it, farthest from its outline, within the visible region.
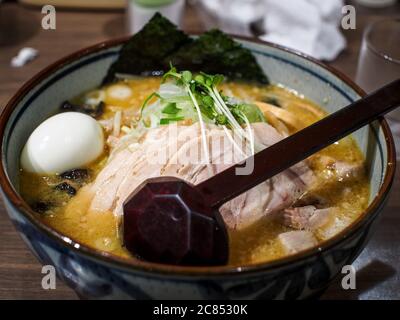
(310, 26)
(368, 54)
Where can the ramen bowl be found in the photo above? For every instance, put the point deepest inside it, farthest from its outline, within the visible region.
(96, 274)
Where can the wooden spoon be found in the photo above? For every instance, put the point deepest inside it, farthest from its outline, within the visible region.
(168, 220)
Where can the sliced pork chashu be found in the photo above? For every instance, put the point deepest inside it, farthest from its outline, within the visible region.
(134, 160)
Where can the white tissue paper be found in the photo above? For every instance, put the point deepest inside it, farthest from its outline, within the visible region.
(234, 16)
(309, 26)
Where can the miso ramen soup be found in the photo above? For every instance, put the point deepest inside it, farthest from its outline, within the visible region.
(294, 211)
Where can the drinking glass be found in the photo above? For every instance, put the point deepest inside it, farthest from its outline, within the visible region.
(379, 61)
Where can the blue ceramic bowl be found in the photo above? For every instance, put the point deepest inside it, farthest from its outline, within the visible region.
(95, 274)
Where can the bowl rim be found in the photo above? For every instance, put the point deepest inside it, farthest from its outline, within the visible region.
(155, 269)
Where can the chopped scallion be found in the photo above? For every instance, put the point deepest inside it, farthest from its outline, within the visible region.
(171, 108)
(169, 120)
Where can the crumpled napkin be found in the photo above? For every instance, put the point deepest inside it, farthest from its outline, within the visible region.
(309, 26)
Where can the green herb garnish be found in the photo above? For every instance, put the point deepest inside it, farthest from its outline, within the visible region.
(171, 108)
(169, 120)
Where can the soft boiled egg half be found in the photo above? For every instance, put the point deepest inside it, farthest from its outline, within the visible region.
(63, 142)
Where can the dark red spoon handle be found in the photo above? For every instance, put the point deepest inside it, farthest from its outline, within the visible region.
(284, 154)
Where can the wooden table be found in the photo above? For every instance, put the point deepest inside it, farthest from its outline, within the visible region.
(20, 274)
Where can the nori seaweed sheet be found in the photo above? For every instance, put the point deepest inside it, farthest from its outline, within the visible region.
(159, 43)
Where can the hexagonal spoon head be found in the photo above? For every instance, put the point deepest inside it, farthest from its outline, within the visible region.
(167, 220)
